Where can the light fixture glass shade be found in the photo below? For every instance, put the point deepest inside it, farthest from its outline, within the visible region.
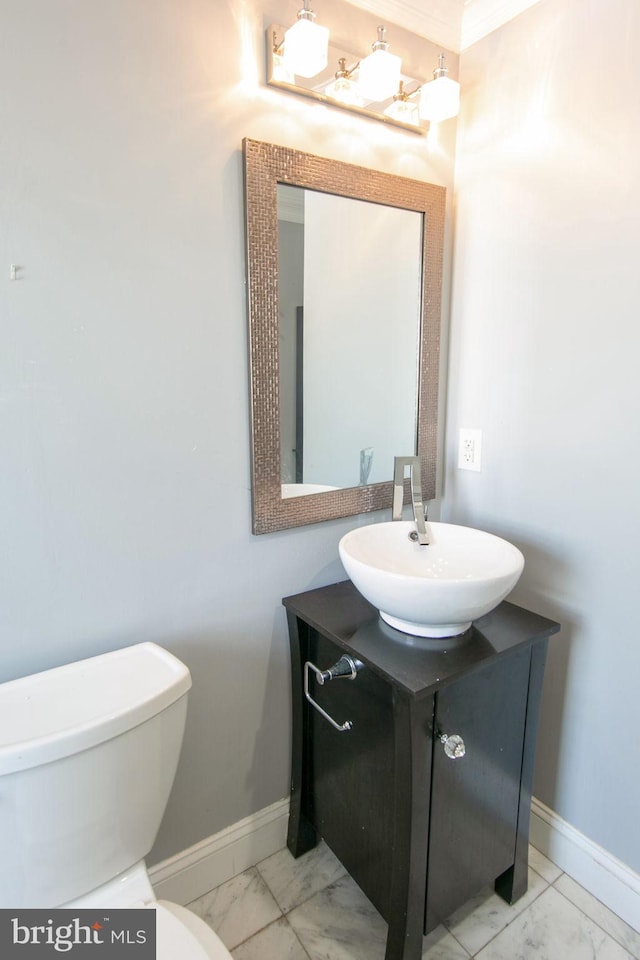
(343, 88)
(306, 46)
(379, 73)
(404, 111)
(345, 91)
(440, 99)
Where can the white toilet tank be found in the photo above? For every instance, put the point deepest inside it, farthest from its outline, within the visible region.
(88, 753)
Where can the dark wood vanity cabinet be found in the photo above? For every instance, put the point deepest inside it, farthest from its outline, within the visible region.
(419, 831)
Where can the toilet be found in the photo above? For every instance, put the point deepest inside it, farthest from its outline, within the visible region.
(88, 754)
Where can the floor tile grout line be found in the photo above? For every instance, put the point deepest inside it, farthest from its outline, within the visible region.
(461, 945)
(304, 949)
(508, 924)
(285, 913)
(259, 930)
(270, 891)
(593, 919)
(266, 927)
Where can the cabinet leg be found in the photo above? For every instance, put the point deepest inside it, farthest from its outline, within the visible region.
(411, 804)
(301, 835)
(513, 883)
(404, 941)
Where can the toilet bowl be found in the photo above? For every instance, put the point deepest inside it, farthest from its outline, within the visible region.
(88, 754)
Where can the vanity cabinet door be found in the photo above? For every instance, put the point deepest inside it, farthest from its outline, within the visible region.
(475, 797)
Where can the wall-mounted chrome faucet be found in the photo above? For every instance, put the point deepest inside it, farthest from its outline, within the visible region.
(399, 464)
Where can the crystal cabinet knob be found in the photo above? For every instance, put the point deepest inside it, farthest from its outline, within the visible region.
(453, 745)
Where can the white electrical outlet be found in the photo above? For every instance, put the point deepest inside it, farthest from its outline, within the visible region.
(470, 449)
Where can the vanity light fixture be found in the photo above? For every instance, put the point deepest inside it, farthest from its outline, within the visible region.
(402, 108)
(306, 45)
(440, 98)
(344, 88)
(396, 97)
(379, 73)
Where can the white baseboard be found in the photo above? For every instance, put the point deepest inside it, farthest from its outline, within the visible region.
(188, 875)
(608, 879)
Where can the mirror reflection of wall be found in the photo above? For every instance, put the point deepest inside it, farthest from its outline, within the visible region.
(349, 285)
(290, 300)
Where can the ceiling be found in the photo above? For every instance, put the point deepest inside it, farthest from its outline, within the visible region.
(454, 24)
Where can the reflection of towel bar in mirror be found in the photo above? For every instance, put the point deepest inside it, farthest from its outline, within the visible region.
(267, 166)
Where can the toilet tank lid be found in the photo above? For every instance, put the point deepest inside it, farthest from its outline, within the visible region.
(53, 714)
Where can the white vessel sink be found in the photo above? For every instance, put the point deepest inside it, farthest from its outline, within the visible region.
(435, 590)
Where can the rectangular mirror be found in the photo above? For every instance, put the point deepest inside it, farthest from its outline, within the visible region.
(344, 295)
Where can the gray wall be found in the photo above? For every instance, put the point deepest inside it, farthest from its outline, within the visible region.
(544, 359)
(124, 438)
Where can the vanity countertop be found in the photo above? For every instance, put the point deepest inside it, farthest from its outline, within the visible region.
(417, 667)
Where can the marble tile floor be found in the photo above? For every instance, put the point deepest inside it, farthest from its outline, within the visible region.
(310, 909)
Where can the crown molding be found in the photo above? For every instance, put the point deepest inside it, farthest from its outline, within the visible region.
(482, 17)
(441, 22)
(452, 24)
